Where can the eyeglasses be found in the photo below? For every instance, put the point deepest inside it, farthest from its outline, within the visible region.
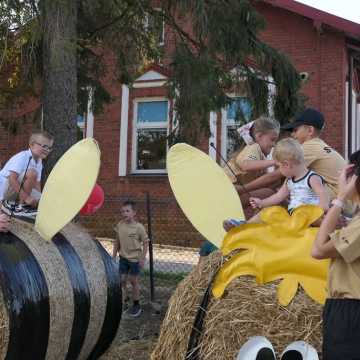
(45, 147)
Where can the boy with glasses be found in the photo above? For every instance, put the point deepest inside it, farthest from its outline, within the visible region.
(20, 188)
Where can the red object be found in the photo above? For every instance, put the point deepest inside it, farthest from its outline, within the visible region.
(94, 202)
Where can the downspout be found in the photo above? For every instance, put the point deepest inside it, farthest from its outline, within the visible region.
(350, 88)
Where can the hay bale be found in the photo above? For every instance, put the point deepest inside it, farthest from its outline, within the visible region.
(58, 299)
(246, 310)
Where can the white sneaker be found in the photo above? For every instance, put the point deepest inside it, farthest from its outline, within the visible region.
(18, 210)
(257, 348)
(299, 350)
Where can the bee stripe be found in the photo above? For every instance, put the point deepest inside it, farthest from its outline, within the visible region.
(26, 296)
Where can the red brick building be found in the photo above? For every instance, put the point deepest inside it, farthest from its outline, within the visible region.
(133, 127)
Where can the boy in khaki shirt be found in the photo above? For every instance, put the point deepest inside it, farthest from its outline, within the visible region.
(341, 315)
(131, 243)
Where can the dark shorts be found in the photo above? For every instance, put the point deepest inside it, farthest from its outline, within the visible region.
(341, 329)
(128, 267)
(207, 248)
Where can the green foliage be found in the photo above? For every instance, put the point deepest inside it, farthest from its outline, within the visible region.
(221, 54)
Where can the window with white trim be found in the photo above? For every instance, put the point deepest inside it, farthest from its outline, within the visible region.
(156, 25)
(237, 113)
(151, 119)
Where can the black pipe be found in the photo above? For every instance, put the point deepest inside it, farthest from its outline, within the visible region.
(151, 253)
(350, 87)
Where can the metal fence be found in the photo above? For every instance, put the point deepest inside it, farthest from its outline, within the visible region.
(166, 263)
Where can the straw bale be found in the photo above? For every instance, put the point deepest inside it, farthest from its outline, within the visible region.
(4, 328)
(59, 286)
(94, 267)
(246, 310)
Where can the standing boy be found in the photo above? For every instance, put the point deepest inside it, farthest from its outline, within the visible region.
(20, 187)
(131, 243)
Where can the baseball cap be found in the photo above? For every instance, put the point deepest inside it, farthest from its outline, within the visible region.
(310, 117)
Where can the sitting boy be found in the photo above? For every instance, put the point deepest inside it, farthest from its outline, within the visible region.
(302, 186)
(20, 188)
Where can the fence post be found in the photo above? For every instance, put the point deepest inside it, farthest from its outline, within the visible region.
(151, 255)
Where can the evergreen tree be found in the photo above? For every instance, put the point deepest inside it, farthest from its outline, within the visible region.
(58, 50)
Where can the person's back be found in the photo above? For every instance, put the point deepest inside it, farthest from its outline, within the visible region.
(325, 161)
(249, 152)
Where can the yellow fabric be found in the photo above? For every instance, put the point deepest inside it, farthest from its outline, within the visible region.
(131, 238)
(279, 248)
(344, 273)
(250, 152)
(203, 191)
(68, 187)
(325, 161)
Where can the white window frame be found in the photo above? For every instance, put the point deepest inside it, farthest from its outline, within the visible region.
(153, 125)
(225, 124)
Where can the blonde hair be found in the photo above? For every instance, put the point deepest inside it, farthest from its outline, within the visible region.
(36, 134)
(288, 149)
(264, 124)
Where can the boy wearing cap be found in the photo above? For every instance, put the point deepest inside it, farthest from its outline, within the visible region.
(319, 156)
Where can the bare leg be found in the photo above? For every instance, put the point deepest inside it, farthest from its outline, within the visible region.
(134, 280)
(28, 185)
(124, 280)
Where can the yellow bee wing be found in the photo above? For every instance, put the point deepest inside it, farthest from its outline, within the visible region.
(203, 191)
(68, 187)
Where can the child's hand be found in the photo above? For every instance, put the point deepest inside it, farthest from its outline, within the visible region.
(255, 203)
(141, 263)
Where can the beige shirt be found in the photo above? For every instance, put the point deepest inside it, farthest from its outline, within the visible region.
(344, 272)
(250, 152)
(325, 161)
(131, 238)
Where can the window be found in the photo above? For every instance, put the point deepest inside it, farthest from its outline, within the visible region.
(154, 23)
(150, 136)
(237, 113)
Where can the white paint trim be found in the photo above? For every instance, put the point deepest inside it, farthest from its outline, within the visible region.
(90, 116)
(124, 119)
(223, 133)
(213, 134)
(148, 84)
(151, 75)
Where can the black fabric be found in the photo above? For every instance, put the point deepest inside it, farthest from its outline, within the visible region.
(192, 352)
(113, 305)
(265, 354)
(341, 329)
(310, 117)
(292, 355)
(26, 298)
(81, 292)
